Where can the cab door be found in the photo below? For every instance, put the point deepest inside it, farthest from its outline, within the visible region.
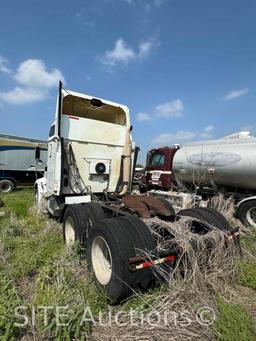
(54, 161)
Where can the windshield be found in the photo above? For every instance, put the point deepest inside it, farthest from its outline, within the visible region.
(157, 159)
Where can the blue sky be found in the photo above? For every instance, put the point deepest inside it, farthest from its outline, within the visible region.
(185, 68)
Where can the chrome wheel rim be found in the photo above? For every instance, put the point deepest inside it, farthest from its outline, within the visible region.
(5, 187)
(251, 216)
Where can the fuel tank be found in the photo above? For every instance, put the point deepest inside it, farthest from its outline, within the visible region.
(230, 161)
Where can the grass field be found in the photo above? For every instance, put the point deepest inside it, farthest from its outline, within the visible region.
(37, 271)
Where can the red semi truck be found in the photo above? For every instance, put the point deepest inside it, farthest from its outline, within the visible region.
(199, 170)
(158, 172)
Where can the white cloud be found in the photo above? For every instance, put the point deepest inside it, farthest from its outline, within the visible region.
(209, 128)
(166, 110)
(22, 96)
(3, 65)
(122, 53)
(235, 94)
(170, 138)
(182, 136)
(78, 14)
(34, 82)
(149, 3)
(170, 109)
(158, 3)
(185, 135)
(89, 23)
(247, 128)
(145, 48)
(148, 7)
(33, 73)
(141, 116)
(207, 132)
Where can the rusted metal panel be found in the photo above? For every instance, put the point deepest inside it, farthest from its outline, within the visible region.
(146, 206)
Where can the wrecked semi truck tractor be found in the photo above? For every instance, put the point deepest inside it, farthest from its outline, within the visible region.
(87, 186)
(226, 165)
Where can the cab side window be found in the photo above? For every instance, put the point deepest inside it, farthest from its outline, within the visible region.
(52, 131)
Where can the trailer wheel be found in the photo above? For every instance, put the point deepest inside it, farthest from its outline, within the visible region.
(208, 215)
(215, 218)
(168, 205)
(6, 186)
(197, 227)
(247, 213)
(110, 246)
(221, 221)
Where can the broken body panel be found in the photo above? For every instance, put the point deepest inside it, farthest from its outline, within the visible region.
(89, 144)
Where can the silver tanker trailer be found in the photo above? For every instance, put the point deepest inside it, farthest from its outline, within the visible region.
(226, 165)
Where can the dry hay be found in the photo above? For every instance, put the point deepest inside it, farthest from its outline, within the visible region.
(4, 212)
(40, 207)
(224, 205)
(3, 253)
(227, 207)
(201, 272)
(173, 312)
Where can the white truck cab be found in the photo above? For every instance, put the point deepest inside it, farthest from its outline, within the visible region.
(90, 150)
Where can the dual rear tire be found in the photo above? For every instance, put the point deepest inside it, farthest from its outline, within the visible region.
(109, 244)
(78, 220)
